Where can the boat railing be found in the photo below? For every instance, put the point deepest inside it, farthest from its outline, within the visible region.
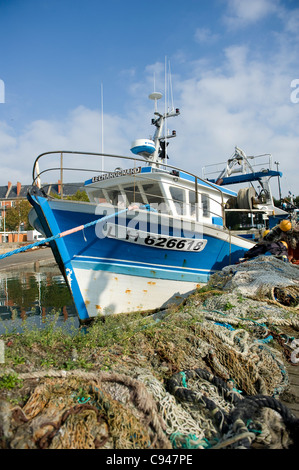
(37, 173)
(257, 163)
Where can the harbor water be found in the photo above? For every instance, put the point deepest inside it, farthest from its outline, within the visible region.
(32, 294)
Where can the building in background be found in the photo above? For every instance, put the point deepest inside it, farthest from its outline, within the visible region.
(10, 194)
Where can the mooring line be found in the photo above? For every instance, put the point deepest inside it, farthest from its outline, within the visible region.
(61, 235)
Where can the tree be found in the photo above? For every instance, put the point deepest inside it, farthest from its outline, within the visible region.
(79, 196)
(17, 215)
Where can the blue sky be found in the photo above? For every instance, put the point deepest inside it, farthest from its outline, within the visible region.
(234, 71)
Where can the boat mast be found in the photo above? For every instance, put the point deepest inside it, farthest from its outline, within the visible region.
(154, 150)
(159, 123)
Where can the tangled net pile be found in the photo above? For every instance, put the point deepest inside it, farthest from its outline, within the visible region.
(263, 277)
(75, 410)
(222, 388)
(194, 410)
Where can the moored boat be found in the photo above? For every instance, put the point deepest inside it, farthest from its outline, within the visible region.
(148, 235)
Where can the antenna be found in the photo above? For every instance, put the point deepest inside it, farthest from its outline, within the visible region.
(102, 125)
(166, 107)
(155, 96)
(170, 85)
(159, 140)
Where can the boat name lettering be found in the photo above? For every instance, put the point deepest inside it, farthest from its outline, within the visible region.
(115, 174)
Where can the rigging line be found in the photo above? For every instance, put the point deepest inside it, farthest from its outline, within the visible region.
(170, 85)
(102, 125)
(166, 106)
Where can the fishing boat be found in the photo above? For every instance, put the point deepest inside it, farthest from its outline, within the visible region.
(149, 233)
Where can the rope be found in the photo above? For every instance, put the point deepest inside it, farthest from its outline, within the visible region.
(180, 424)
(249, 406)
(145, 428)
(287, 297)
(238, 427)
(61, 235)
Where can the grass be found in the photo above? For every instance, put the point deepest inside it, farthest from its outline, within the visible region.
(113, 342)
(10, 381)
(114, 339)
(162, 344)
(54, 347)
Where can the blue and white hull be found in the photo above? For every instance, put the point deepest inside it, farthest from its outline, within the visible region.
(137, 260)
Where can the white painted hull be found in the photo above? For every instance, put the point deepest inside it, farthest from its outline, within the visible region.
(106, 293)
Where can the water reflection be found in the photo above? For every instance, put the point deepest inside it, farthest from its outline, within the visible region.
(35, 295)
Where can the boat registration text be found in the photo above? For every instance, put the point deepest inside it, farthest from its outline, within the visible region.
(154, 240)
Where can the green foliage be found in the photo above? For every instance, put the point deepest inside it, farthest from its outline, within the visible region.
(79, 196)
(9, 381)
(51, 347)
(17, 215)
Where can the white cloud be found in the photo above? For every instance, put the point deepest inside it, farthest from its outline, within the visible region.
(242, 13)
(7, 141)
(245, 102)
(292, 24)
(79, 131)
(205, 36)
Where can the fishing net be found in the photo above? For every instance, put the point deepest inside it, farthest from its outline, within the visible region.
(194, 409)
(79, 413)
(264, 277)
(208, 374)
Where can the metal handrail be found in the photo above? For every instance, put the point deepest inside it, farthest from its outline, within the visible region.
(134, 159)
(254, 164)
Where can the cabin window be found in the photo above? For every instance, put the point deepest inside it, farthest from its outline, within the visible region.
(146, 193)
(192, 201)
(142, 193)
(98, 196)
(178, 196)
(116, 197)
(205, 201)
(133, 194)
(113, 195)
(154, 195)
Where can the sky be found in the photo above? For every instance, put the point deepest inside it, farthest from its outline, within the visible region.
(76, 75)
